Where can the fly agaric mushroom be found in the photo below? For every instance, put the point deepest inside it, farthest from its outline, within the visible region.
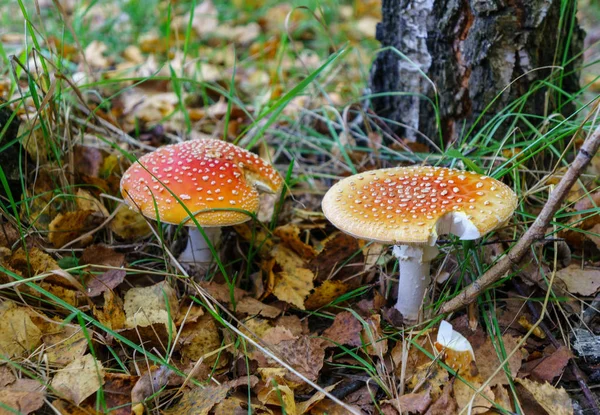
(207, 176)
(456, 350)
(409, 207)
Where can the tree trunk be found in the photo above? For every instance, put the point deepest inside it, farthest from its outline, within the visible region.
(471, 50)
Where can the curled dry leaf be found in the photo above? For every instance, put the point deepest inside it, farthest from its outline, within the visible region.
(549, 366)
(85, 201)
(80, 379)
(19, 334)
(290, 237)
(101, 279)
(112, 314)
(555, 401)
(445, 404)
(23, 396)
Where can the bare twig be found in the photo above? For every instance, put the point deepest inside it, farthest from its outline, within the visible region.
(535, 232)
(587, 393)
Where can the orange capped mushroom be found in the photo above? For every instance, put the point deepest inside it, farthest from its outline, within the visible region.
(409, 207)
(216, 181)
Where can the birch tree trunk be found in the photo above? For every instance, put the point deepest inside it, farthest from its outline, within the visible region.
(471, 50)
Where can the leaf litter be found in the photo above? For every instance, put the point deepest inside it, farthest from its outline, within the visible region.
(316, 301)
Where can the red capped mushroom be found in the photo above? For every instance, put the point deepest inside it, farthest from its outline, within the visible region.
(216, 181)
(409, 207)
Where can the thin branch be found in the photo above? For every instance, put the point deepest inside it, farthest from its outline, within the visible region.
(535, 232)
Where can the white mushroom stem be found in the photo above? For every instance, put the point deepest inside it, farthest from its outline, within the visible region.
(197, 250)
(413, 261)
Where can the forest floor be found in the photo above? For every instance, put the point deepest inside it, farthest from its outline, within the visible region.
(293, 316)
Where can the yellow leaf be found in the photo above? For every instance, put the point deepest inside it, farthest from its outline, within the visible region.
(464, 394)
(325, 294)
(66, 227)
(80, 379)
(129, 224)
(19, 334)
(554, 400)
(200, 338)
(85, 201)
(293, 287)
(64, 344)
(145, 306)
(278, 395)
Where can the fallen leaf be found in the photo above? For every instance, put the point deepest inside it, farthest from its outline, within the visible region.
(199, 338)
(117, 393)
(429, 376)
(85, 201)
(129, 224)
(145, 306)
(68, 226)
(251, 306)
(200, 401)
(549, 366)
(100, 279)
(33, 262)
(19, 334)
(106, 281)
(150, 382)
(345, 329)
(102, 255)
(554, 400)
(290, 237)
(280, 395)
(304, 406)
(372, 334)
(411, 402)
(502, 397)
(94, 55)
(112, 314)
(583, 281)
(80, 379)
(294, 287)
(445, 404)
(487, 361)
(527, 325)
(23, 396)
(64, 344)
(325, 293)
(464, 393)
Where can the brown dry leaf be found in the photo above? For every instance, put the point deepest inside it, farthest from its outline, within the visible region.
(580, 281)
(80, 379)
(346, 329)
(200, 401)
(150, 382)
(19, 334)
(337, 248)
(290, 237)
(199, 338)
(68, 226)
(377, 344)
(463, 394)
(305, 406)
(258, 237)
(502, 398)
(252, 306)
(549, 366)
(487, 361)
(85, 201)
(304, 353)
(64, 344)
(75, 298)
(117, 393)
(94, 55)
(554, 400)
(329, 407)
(24, 396)
(412, 402)
(325, 294)
(414, 357)
(527, 325)
(112, 314)
(445, 404)
(107, 279)
(129, 224)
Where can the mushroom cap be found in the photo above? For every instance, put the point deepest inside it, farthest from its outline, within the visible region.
(408, 205)
(204, 174)
(456, 350)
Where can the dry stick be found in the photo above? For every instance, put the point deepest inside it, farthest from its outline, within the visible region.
(587, 393)
(535, 232)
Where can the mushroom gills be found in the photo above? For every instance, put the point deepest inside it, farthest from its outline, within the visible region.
(456, 223)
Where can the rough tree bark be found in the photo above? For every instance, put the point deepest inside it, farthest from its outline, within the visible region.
(471, 50)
